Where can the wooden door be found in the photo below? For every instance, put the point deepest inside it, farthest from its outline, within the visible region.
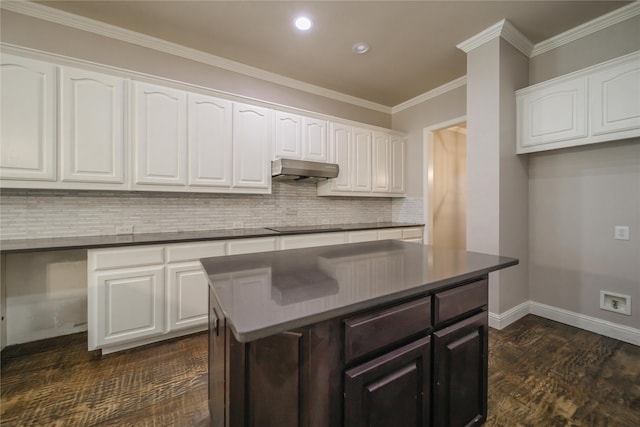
(391, 390)
(460, 370)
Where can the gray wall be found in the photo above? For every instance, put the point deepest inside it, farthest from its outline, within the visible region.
(577, 196)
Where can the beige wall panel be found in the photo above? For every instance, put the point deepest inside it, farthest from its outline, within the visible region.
(576, 198)
(601, 46)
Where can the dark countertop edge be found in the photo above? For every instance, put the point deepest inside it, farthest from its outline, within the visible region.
(426, 289)
(110, 241)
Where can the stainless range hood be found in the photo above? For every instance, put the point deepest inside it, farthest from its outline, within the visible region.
(297, 170)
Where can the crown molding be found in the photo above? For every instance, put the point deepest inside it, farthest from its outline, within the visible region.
(597, 24)
(504, 29)
(454, 84)
(49, 14)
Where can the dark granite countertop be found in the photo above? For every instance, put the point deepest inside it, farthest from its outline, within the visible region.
(267, 293)
(94, 242)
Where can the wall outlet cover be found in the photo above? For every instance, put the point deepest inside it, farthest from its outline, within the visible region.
(621, 232)
(618, 303)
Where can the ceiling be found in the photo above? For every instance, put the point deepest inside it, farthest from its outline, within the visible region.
(413, 43)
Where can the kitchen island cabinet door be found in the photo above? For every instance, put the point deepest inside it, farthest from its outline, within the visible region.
(252, 141)
(160, 136)
(28, 120)
(460, 371)
(92, 120)
(391, 390)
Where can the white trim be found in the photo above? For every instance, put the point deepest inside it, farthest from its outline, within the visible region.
(597, 24)
(501, 321)
(504, 29)
(453, 84)
(588, 323)
(46, 13)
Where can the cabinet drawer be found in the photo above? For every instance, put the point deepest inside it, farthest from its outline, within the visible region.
(130, 257)
(370, 332)
(195, 251)
(394, 233)
(411, 233)
(458, 301)
(250, 246)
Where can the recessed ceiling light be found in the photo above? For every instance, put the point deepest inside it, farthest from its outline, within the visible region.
(360, 48)
(303, 23)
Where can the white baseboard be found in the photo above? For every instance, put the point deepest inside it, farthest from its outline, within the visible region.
(588, 323)
(501, 321)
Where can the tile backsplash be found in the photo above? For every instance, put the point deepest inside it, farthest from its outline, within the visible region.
(57, 213)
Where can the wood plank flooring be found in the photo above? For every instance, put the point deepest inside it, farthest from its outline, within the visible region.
(541, 373)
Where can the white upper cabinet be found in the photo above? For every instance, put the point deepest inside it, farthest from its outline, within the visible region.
(615, 94)
(396, 163)
(314, 139)
(160, 145)
(210, 141)
(362, 159)
(288, 135)
(597, 104)
(251, 147)
(28, 119)
(92, 137)
(340, 152)
(299, 137)
(381, 162)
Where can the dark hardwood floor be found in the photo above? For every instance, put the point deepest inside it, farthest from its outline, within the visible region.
(541, 373)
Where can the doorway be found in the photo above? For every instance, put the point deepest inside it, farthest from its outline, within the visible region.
(446, 185)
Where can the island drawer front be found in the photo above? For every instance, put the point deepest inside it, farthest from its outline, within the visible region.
(373, 331)
(458, 301)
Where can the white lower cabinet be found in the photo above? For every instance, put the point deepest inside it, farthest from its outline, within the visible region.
(142, 294)
(129, 305)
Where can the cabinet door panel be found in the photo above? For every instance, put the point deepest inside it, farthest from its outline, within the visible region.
(251, 147)
(362, 163)
(210, 143)
(186, 296)
(288, 135)
(28, 119)
(553, 114)
(615, 99)
(314, 139)
(396, 164)
(460, 369)
(381, 162)
(218, 364)
(92, 121)
(342, 153)
(160, 135)
(129, 304)
(391, 390)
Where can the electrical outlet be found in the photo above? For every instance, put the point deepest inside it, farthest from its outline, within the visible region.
(621, 232)
(238, 224)
(617, 303)
(124, 229)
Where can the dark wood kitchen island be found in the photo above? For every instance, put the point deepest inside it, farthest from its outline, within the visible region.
(383, 333)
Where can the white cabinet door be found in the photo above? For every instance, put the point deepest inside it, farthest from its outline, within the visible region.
(251, 147)
(210, 141)
(28, 119)
(314, 139)
(288, 135)
(92, 127)
(341, 152)
(362, 159)
(160, 135)
(396, 164)
(129, 305)
(186, 296)
(615, 99)
(557, 112)
(381, 162)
